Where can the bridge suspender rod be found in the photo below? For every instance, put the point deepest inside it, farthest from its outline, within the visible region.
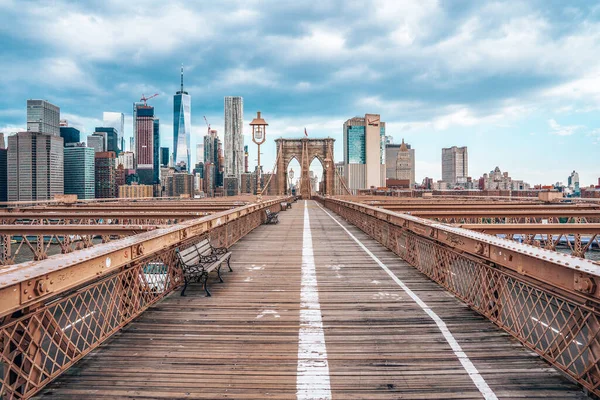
(339, 176)
(271, 176)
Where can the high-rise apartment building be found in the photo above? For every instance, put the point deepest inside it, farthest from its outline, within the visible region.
(105, 175)
(182, 126)
(391, 160)
(2, 142)
(156, 152)
(132, 139)
(234, 136)
(455, 165)
(116, 120)
(35, 166)
(144, 144)
(79, 175)
(43, 117)
(111, 137)
(211, 147)
(69, 134)
(364, 152)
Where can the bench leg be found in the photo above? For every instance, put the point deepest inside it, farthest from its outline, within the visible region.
(186, 281)
(229, 265)
(205, 276)
(219, 274)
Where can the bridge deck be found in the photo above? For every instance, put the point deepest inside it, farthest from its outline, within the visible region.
(243, 342)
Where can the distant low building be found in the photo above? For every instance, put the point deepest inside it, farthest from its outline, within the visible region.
(498, 180)
(179, 183)
(135, 191)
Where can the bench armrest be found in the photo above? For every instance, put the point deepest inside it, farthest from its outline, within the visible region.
(219, 250)
(207, 259)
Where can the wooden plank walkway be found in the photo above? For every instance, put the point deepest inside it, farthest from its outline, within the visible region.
(242, 343)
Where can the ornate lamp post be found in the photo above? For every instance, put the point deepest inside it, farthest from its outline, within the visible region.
(291, 176)
(259, 133)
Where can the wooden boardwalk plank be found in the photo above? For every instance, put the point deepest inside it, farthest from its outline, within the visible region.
(242, 343)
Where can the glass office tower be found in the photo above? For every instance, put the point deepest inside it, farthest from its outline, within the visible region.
(182, 126)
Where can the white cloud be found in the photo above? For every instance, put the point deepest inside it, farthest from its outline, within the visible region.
(151, 29)
(85, 124)
(563, 130)
(235, 77)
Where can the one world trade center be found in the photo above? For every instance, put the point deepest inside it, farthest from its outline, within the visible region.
(182, 120)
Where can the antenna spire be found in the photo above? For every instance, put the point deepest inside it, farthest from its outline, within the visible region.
(181, 78)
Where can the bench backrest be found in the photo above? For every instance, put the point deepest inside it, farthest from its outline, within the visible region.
(204, 248)
(188, 256)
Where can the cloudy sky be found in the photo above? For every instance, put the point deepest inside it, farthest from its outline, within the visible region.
(516, 82)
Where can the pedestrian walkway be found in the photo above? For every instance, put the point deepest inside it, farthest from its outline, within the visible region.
(314, 309)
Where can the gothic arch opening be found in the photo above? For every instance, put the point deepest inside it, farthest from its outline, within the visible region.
(305, 151)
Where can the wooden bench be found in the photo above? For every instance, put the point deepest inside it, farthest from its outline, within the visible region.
(272, 217)
(198, 260)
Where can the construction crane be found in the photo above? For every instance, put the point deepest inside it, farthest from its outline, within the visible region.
(145, 99)
(207, 124)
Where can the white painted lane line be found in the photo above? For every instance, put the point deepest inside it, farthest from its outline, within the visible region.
(312, 377)
(477, 379)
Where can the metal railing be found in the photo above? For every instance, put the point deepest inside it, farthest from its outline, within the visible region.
(548, 301)
(57, 310)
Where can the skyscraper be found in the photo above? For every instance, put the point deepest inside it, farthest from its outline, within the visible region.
(391, 160)
(182, 126)
(164, 156)
(116, 120)
(234, 136)
(211, 162)
(144, 143)
(156, 152)
(573, 182)
(79, 171)
(199, 153)
(3, 174)
(35, 166)
(43, 117)
(111, 136)
(105, 175)
(69, 134)
(455, 165)
(132, 145)
(364, 142)
(96, 141)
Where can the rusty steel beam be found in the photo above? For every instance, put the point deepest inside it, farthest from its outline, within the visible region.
(545, 229)
(34, 230)
(485, 207)
(108, 214)
(124, 208)
(569, 213)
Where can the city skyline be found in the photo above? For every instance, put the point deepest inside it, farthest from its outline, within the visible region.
(522, 102)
